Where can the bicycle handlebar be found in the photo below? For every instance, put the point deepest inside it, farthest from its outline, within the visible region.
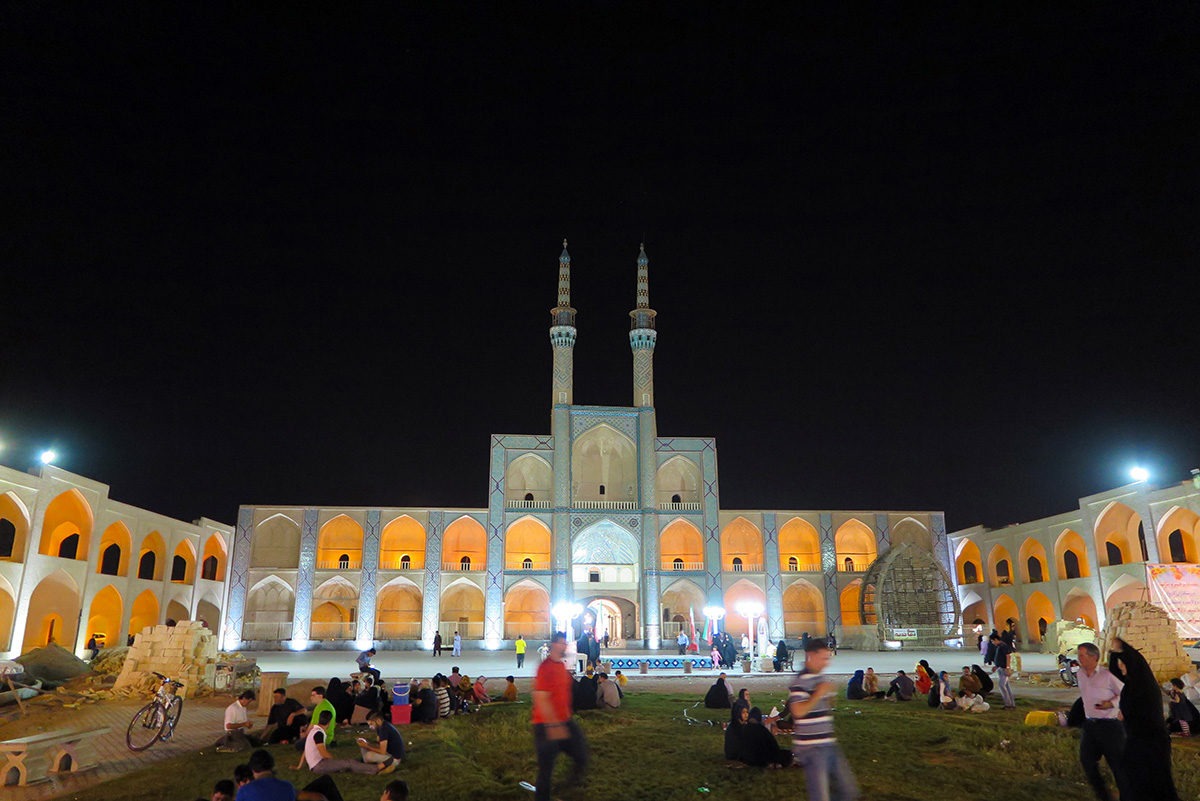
(166, 679)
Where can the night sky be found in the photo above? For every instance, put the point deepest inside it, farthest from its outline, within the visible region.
(899, 262)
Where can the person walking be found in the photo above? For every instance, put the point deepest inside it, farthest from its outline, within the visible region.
(520, 651)
(553, 729)
(682, 642)
(1146, 763)
(1000, 668)
(437, 643)
(814, 746)
(1103, 735)
(457, 645)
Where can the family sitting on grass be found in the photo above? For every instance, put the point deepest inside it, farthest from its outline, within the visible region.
(256, 781)
(969, 695)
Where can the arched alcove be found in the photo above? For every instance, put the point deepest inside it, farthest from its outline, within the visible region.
(913, 533)
(462, 611)
(14, 528)
(177, 610)
(116, 545)
(968, 563)
(276, 543)
(527, 545)
(1005, 610)
(1125, 588)
(208, 611)
(529, 477)
(849, 600)
(1032, 558)
(1039, 614)
(335, 610)
(745, 590)
(339, 544)
(183, 563)
(465, 539)
(677, 482)
(212, 566)
(1118, 536)
(1070, 556)
(270, 605)
(105, 616)
(799, 547)
(999, 564)
(8, 611)
(53, 614)
(402, 546)
(1178, 534)
(151, 556)
(398, 611)
(681, 546)
(67, 527)
(144, 612)
(604, 465)
(854, 542)
(527, 611)
(1079, 606)
(803, 610)
(741, 547)
(681, 600)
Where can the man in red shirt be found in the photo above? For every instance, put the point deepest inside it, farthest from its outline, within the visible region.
(553, 728)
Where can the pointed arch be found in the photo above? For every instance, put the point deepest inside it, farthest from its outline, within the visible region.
(1079, 605)
(335, 610)
(462, 610)
(743, 590)
(803, 609)
(212, 566)
(276, 543)
(116, 545)
(527, 545)
(974, 608)
(604, 465)
(1125, 588)
(402, 545)
(1070, 555)
(270, 604)
(1005, 610)
(529, 475)
(968, 562)
(177, 611)
(677, 481)
(67, 526)
(681, 546)
(465, 539)
(14, 527)
(676, 601)
(53, 613)
(105, 615)
(1118, 535)
(339, 544)
(799, 547)
(208, 611)
(144, 612)
(398, 610)
(999, 566)
(1032, 558)
(151, 555)
(1039, 614)
(183, 564)
(741, 547)
(1178, 536)
(526, 610)
(912, 531)
(854, 542)
(604, 543)
(849, 600)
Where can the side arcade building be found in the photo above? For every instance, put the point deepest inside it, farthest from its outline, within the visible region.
(601, 510)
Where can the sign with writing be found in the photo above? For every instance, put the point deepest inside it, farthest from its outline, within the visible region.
(1175, 588)
(904, 634)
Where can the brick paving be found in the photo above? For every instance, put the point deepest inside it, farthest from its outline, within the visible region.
(199, 727)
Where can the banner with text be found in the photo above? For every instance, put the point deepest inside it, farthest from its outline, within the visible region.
(1176, 589)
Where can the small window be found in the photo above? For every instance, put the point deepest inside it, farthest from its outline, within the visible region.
(737, 564)
(110, 560)
(601, 489)
(677, 564)
(344, 561)
(1034, 565)
(464, 563)
(8, 537)
(849, 565)
(676, 499)
(970, 573)
(594, 576)
(146, 566)
(527, 564)
(793, 564)
(405, 562)
(1071, 565)
(69, 547)
(208, 568)
(1114, 553)
(178, 569)
(529, 496)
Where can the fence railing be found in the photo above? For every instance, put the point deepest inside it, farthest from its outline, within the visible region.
(673, 565)
(391, 560)
(354, 563)
(855, 565)
(456, 567)
(333, 631)
(527, 564)
(605, 504)
(522, 504)
(267, 631)
(398, 630)
(469, 631)
(744, 567)
(680, 507)
(802, 567)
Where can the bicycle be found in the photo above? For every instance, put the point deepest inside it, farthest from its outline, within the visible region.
(157, 719)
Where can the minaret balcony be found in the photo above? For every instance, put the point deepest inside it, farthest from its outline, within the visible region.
(526, 564)
(681, 507)
(631, 505)
(517, 503)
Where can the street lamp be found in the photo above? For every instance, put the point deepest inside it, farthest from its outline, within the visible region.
(714, 613)
(564, 612)
(750, 610)
(48, 457)
(1139, 473)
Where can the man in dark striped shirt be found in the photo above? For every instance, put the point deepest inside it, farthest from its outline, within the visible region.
(814, 746)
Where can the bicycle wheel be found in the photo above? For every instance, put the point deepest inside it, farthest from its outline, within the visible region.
(174, 711)
(146, 727)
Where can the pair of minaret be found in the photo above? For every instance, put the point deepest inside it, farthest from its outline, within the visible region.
(641, 335)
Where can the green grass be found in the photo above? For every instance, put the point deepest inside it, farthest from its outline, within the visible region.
(646, 750)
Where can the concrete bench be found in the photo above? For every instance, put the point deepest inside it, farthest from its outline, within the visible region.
(29, 760)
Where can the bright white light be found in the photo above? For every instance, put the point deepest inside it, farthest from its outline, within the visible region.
(749, 608)
(564, 611)
(363, 643)
(299, 644)
(1139, 473)
(714, 612)
(48, 457)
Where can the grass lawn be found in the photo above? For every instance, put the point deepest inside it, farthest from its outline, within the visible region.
(646, 750)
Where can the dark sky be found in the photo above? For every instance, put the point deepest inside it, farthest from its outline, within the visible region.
(940, 262)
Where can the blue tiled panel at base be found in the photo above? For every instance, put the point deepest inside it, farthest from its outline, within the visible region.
(669, 662)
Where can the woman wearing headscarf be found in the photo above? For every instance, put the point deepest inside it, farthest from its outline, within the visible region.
(1184, 718)
(759, 746)
(923, 677)
(854, 687)
(986, 685)
(742, 702)
(733, 736)
(1146, 762)
(945, 693)
(343, 702)
(718, 694)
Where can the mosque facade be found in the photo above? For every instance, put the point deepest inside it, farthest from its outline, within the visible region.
(1077, 565)
(602, 511)
(75, 563)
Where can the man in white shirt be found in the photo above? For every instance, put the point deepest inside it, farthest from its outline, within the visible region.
(457, 645)
(237, 735)
(1103, 733)
(319, 760)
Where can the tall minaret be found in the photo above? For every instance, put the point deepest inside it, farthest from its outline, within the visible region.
(642, 336)
(562, 335)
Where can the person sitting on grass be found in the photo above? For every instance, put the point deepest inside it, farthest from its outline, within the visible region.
(242, 775)
(479, 691)
(621, 681)
(237, 736)
(510, 689)
(924, 678)
(871, 684)
(854, 687)
(285, 718)
(425, 705)
(223, 790)
(986, 685)
(395, 791)
(759, 747)
(942, 694)
(264, 786)
(733, 736)
(718, 695)
(316, 753)
(742, 702)
(607, 696)
(317, 697)
(390, 742)
(441, 692)
(967, 680)
(970, 701)
(901, 687)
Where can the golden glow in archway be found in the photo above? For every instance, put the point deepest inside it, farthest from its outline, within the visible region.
(968, 563)
(1117, 538)
(1178, 534)
(276, 543)
(855, 546)
(212, 566)
(402, 546)
(527, 545)
(1039, 614)
(14, 520)
(145, 612)
(1032, 557)
(803, 610)
(464, 546)
(67, 527)
(53, 612)
(850, 596)
(116, 544)
(398, 612)
(741, 547)
(339, 544)
(1005, 610)
(799, 547)
(681, 547)
(527, 611)
(151, 556)
(743, 590)
(1000, 566)
(1070, 556)
(183, 564)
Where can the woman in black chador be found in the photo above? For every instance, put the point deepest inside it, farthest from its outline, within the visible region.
(1147, 758)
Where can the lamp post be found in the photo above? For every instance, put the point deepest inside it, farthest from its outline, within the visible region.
(714, 613)
(564, 612)
(750, 610)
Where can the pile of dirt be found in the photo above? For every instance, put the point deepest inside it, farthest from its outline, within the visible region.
(53, 664)
(110, 661)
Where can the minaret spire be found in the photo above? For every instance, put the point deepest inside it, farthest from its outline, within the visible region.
(562, 334)
(642, 336)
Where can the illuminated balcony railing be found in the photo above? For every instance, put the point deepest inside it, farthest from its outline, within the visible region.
(530, 631)
(854, 566)
(337, 563)
(681, 507)
(333, 631)
(527, 564)
(681, 565)
(464, 567)
(469, 631)
(410, 630)
(743, 567)
(606, 504)
(394, 560)
(512, 503)
(267, 631)
(802, 567)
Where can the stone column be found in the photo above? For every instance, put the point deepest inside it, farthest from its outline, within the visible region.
(561, 582)
(431, 599)
(368, 592)
(302, 614)
(711, 523)
(493, 586)
(771, 571)
(833, 600)
(239, 573)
